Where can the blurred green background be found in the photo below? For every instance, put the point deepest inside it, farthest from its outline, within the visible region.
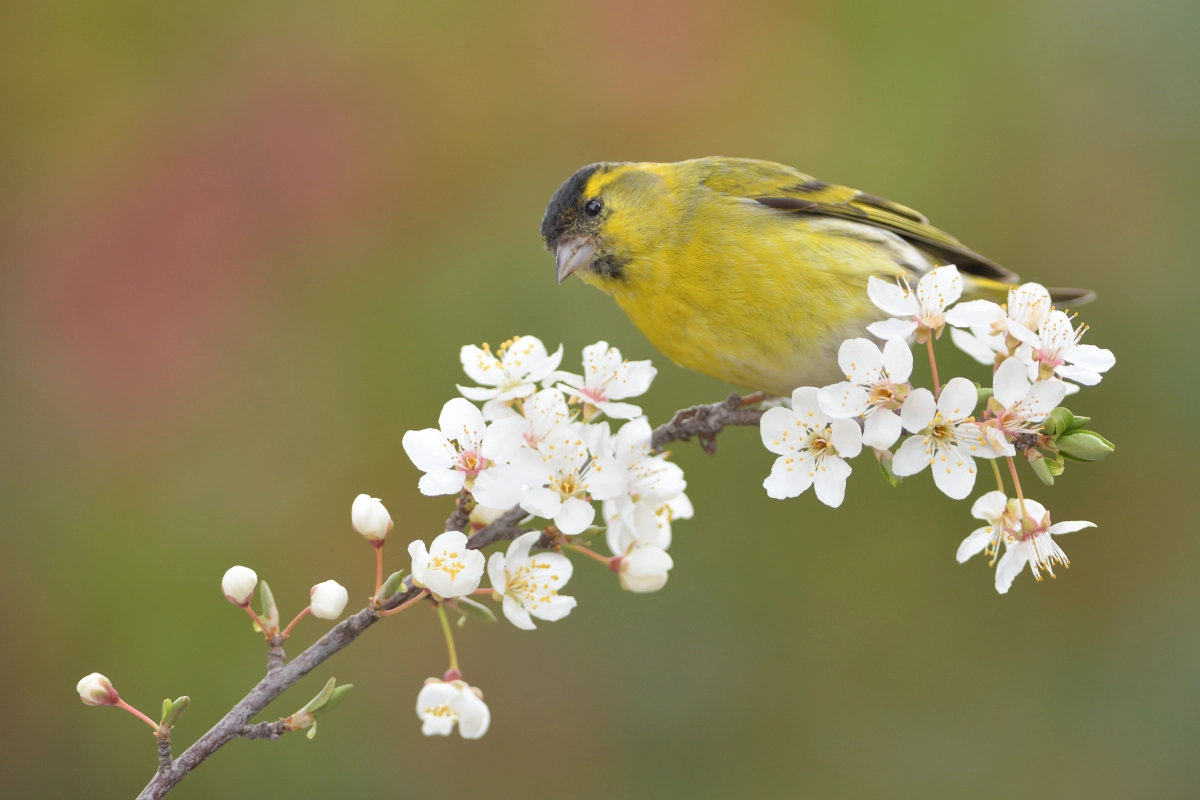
(243, 242)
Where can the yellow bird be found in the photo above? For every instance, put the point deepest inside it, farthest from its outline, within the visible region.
(749, 271)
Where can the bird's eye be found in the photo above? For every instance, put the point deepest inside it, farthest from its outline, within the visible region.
(593, 207)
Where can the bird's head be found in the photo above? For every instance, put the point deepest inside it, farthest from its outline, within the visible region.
(592, 222)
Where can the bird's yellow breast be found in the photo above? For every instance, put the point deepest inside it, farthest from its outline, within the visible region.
(747, 294)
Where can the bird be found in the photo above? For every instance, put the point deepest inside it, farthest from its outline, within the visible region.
(748, 271)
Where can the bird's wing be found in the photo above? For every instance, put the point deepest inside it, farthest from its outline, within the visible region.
(777, 186)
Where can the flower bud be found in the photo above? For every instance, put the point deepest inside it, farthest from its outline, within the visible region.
(238, 585)
(370, 518)
(97, 690)
(329, 600)
(644, 568)
(1084, 446)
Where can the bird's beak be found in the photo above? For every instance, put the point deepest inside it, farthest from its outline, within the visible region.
(573, 254)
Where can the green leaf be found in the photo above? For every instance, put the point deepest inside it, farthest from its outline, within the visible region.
(984, 392)
(1084, 445)
(391, 585)
(335, 697)
(885, 466)
(269, 612)
(1055, 465)
(312, 730)
(322, 698)
(166, 710)
(176, 711)
(477, 610)
(1042, 469)
(1079, 422)
(1058, 422)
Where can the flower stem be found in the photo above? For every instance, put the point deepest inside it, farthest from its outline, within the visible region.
(1012, 470)
(378, 569)
(999, 477)
(262, 625)
(292, 624)
(589, 553)
(488, 590)
(937, 386)
(404, 605)
(138, 714)
(449, 637)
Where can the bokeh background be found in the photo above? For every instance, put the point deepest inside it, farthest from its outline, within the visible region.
(243, 242)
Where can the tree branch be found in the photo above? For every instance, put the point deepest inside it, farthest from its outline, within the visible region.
(703, 422)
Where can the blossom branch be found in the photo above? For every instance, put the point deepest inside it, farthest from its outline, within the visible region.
(703, 422)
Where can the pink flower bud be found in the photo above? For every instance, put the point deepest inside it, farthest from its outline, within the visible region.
(97, 690)
(238, 585)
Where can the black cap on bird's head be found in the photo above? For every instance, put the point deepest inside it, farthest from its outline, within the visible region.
(571, 222)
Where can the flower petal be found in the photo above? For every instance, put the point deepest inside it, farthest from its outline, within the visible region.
(891, 297)
(846, 437)
(958, 399)
(575, 516)
(1069, 527)
(517, 614)
(918, 410)
(843, 400)
(953, 473)
(789, 480)
(462, 421)
(619, 410)
(881, 430)
(889, 329)
(973, 544)
(939, 288)
(633, 379)
(554, 608)
(897, 360)
(973, 346)
(496, 574)
(1010, 566)
(542, 502)
(441, 481)
(830, 482)
(480, 365)
(779, 431)
(497, 487)
(989, 507)
(429, 450)
(860, 360)
(1010, 383)
(476, 392)
(911, 458)
(974, 312)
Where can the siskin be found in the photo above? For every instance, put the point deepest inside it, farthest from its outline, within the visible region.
(748, 271)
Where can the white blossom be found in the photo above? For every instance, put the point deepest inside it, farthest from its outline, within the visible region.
(992, 508)
(999, 330)
(1032, 543)
(608, 378)
(369, 518)
(511, 373)
(539, 415)
(651, 480)
(328, 600)
(874, 389)
(448, 568)
(465, 452)
(97, 690)
(564, 477)
(945, 437)
(1018, 405)
(650, 523)
(643, 568)
(921, 312)
(530, 583)
(1059, 352)
(238, 585)
(811, 449)
(441, 704)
